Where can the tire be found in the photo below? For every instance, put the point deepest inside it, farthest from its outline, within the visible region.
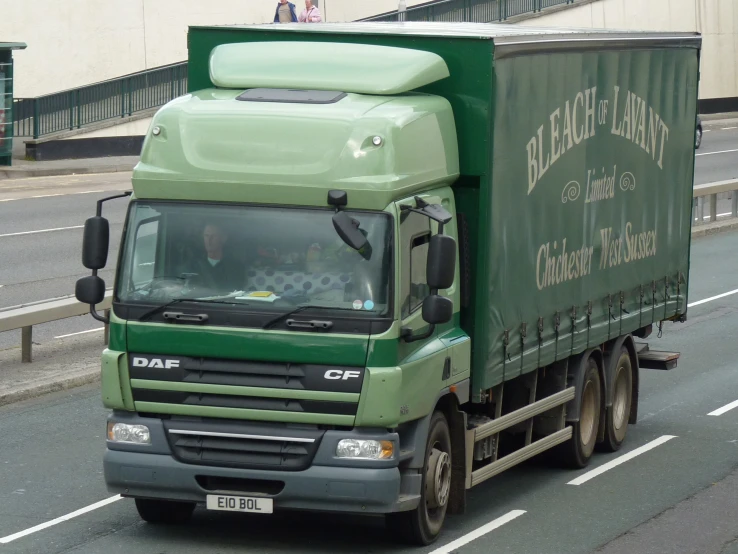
(616, 417)
(577, 451)
(698, 139)
(167, 512)
(422, 525)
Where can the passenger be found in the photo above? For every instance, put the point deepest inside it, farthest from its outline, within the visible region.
(310, 14)
(285, 12)
(218, 271)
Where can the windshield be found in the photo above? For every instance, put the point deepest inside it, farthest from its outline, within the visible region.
(269, 260)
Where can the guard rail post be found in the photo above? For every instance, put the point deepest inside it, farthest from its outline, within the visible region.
(26, 344)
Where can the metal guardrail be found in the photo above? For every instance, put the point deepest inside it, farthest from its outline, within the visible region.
(76, 108)
(474, 11)
(24, 317)
(709, 193)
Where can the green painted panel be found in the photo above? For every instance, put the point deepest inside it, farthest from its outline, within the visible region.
(381, 399)
(239, 413)
(469, 60)
(361, 68)
(243, 344)
(245, 391)
(117, 338)
(115, 385)
(590, 204)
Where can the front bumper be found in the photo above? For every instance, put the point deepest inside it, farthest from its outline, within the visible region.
(329, 484)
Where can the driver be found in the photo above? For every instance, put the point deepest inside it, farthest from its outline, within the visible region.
(216, 269)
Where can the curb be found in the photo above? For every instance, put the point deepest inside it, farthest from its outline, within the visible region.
(53, 172)
(714, 228)
(35, 390)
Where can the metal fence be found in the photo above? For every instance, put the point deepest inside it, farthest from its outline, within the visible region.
(475, 11)
(76, 108)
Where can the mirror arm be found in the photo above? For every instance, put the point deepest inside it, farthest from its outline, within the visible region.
(97, 316)
(100, 202)
(407, 334)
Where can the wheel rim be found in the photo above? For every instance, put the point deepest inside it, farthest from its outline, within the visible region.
(620, 401)
(587, 416)
(438, 480)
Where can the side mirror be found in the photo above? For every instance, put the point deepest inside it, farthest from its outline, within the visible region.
(90, 290)
(348, 230)
(441, 265)
(95, 243)
(437, 309)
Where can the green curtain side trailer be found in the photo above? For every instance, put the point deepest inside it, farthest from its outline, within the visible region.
(516, 204)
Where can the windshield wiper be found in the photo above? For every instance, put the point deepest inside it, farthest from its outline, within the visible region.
(281, 317)
(158, 309)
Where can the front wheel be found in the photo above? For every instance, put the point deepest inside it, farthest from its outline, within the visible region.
(166, 512)
(698, 139)
(422, 525)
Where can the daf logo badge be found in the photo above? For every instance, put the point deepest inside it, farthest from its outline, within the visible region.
(155, 363)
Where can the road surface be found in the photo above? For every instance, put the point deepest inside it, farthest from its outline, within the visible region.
(677, 494)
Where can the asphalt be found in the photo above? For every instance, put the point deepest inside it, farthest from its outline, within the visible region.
(52, 447)
(717, 158)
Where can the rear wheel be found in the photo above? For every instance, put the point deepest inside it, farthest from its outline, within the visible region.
(616, 418)
(577, 451)
(164, 511)
(422, 525)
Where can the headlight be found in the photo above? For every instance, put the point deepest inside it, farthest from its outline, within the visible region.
(132, 434)
(364, 449)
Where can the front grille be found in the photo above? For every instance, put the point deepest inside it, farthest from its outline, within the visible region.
(242, 445)
(245, 402)
(245, 390)
(243, 373)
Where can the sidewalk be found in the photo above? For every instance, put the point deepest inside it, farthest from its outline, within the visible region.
(22, 169)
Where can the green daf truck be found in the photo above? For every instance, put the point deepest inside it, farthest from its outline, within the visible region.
(366, 267)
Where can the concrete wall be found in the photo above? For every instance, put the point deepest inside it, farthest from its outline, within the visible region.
(77, 42)
(717, 20)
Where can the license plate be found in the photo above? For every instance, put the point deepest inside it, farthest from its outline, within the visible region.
(240, 504)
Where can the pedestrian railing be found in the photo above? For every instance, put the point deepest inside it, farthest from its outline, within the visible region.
(475, 11)
(125, 96)
(116, 98)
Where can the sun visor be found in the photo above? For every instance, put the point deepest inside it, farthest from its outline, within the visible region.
(357, 68)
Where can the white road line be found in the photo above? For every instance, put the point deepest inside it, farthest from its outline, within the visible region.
(706, 300)
(713, 153)
(51, 195)
(80, 333)
(483, 530)
(727, 128)
(726, 408)
(42, 231)
(620, 460)
(62, 519)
